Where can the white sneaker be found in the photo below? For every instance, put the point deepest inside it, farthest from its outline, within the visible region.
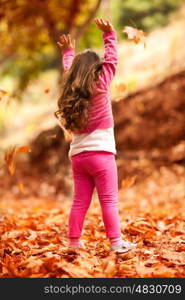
(124, 247)
(81, 246)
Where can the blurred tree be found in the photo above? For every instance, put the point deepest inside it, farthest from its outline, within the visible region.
(143, 14)
(92, 37)
(29, 31)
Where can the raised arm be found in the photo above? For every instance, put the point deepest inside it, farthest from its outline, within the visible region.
(110, 51)
(67, 58)
(67, 47)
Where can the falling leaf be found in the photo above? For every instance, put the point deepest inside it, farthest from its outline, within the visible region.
(121, 87)
(10, 157)
(46, 91)
(134, 34)
(9, 160)
(128, 182)
(22, 149)
(2, 93)
(20, 187)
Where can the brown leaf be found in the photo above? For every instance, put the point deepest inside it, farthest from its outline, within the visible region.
(2, 93)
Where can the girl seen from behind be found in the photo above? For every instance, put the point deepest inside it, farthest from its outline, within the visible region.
(85, 111)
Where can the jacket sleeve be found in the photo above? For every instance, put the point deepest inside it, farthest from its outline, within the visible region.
(67, 58)
(110, 58)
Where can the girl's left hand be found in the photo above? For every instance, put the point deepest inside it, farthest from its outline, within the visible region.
(104, 25)
(66, 42)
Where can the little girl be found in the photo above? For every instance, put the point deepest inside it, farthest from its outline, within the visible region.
(84, 110)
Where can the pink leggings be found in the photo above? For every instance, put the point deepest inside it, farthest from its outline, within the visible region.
(94, 169)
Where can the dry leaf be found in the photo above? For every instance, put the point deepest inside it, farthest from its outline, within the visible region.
(134, 34)
(10, 157)
(22, 149)
(2, 93)
(9, 160)
(46, 91)
(128, 182)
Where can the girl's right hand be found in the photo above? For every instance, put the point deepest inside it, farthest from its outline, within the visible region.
(66, 42)
(104, 25)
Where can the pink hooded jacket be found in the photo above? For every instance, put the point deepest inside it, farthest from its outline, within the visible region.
(100, 113)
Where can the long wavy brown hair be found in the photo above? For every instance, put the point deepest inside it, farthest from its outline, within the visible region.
(76, 90)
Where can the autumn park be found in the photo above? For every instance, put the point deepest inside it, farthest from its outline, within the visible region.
(148, 105)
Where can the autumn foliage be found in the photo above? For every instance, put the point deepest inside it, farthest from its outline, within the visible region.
(36, 182)
(34, 243)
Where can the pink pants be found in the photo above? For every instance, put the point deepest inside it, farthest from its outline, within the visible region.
(95, 169)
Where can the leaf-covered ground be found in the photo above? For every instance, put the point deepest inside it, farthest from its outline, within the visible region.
(33, 233)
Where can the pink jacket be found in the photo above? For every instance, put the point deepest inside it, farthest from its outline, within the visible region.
(100, 113)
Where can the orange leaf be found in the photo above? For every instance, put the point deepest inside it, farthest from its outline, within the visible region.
(46, 91)
(20, 187)
(23, 149)
(9, 159)
(128, 182)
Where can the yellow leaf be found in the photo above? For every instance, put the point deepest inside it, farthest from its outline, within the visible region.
(20, 187)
